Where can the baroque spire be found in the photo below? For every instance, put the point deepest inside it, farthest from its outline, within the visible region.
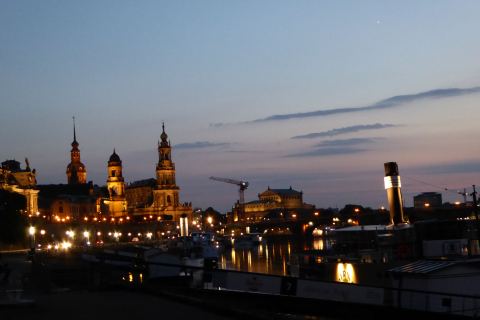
(74, 143)
(164, 136)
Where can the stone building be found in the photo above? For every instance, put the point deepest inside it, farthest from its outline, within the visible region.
(288, 200)
(75, 200)
(161, 198)
(68, 203)
(139, 194)
(427, 200)
(22, 181)
(116, 203)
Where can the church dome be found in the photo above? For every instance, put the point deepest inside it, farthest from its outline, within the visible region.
(114, 157)
(164, 136)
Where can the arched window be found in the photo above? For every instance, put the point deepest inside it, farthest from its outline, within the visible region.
(169, 200)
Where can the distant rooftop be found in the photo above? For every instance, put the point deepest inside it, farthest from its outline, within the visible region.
(284, 192)
(423, 266)
(143, 183)
(372, 227)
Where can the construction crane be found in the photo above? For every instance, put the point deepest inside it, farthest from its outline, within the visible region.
(242, 184)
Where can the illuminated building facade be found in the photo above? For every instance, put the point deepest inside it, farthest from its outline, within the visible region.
(272, 200)
(116, 204)
(163, 198)
(139, 194)
(68, 202)
(21, 181)
(79, 200)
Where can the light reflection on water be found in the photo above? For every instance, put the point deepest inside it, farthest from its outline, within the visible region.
(318, 244)
(270, 257)
(274, 257)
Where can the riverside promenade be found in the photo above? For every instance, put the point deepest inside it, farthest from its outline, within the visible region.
(27, 295)
(81, 304)
(117, 305)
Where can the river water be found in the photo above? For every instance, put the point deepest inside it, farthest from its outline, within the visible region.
(270, 257)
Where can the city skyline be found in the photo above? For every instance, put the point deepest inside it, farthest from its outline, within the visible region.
(309, 95)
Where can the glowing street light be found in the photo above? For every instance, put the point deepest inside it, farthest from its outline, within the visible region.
(31, 232)
(86, 235)
(66, 245)
(70, 233)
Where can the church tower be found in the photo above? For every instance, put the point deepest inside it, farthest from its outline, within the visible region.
(166, 193)
(117, 205)
(76, 171)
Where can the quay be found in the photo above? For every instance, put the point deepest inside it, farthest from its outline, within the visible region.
(68, 284)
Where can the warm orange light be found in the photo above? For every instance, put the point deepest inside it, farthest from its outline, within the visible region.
(427, 204)
(316, 213)
(346, 273)
(357, 210)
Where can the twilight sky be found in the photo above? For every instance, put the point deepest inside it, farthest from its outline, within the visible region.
(310, 94)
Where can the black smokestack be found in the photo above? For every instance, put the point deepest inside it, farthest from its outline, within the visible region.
(393, 186)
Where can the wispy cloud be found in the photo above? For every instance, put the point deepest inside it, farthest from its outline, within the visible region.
(336, 147)
(344, 130)
(345, 142)
(453, 167)
(201, 144)
(324, 152)
(391, 102)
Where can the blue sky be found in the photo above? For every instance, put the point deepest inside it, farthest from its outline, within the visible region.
(209, 69)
